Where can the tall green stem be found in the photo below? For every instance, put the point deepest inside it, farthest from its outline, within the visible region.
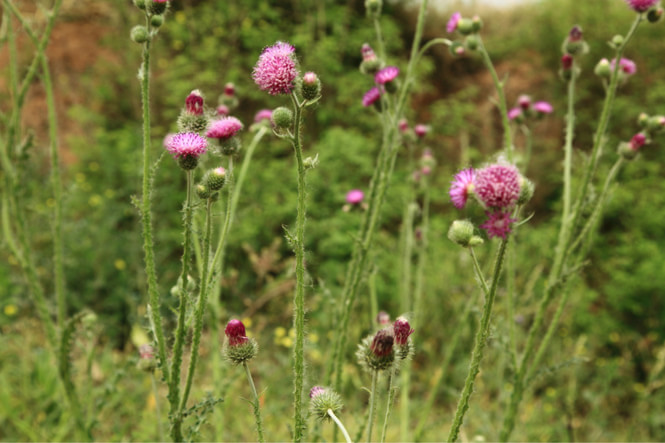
(146, 214)
(200, 308)
(372, 402)
(174, 385)
(299, 298)
(339, 424)
(479, 346)
(255, 403)
(158, 412)
(389, 406)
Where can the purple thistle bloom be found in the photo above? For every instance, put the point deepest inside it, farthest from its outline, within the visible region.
(186, 144)
(224, 128)
(566, 62)
(371, 96)
(543, 107)
(453, 22)
(462, 185)
(194, 102)
(524, 101)
(316, 391)
(498, 224)
(386, 75)
(514, 113)
(626, 66)
(276, 69)
(235, 332)
(402, 330)
(382, 344)
(263, 114)
(223, 110)
(355, 196)
(497, 186)
(367, 53)
(641, 5)
(421, 130)
(637, 141)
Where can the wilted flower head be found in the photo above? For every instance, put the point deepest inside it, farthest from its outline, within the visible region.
(498, 224)
(186, 144)
(355, 196)
(386, 75)
(224, 128)
(382, 343)
(497, 186)
(402, 330)
(626, 66)
(462, 185)
(641, 5)
(276, 69)
(371, 96)
(453, 22)
(263, 114)
(194, 102)
(543, 107)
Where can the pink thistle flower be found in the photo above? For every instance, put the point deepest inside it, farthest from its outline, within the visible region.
(575, 34)
(637, 141)
(383, 318)
(641, 5)
(229, 89)
(386, 75)
(514, 113)
(382, 344)
(524, 101)
(371, 96)
(186, 144)
(566, 62)
(497, 186)
(316, 391)
(402, 331)
(453, 22)
(543, 107)
(421, 130)
(626, 66)
(367, 53)
(194, 102)
(224, 128)
(223, 110)
(498, 224)
(263, 114)
(403, 125)
(355, 196)
(462, 186)
(276, 69)
(235, 332)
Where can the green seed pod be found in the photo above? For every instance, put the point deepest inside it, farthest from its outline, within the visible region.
(139, 34)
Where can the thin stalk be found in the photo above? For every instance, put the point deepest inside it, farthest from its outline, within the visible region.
(176, 363)
(155, 393)
(299, 297)
(421, 264)
(255, 403)
(372, 402)
(479, 273)
(200, 308)
(146, 214)
(528, 148)
(389, 406)
(339, 424)
(379, 37)
(503, 108)
(481, 341)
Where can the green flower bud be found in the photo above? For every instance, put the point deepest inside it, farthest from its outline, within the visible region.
(203, 192)
(157, 7)
(215, 179)
(140, 4)
(373, 7)
(471, 42)
(157, 20)
(526, 191)
(323, 399)
(139, 34)
(461, 232)
(602, 69)
(282, 118)
(477, 23)
(229, 146)
(188, 122)
(617, 40)
(465, 26)
(311, 86)
(188, 162)
(654, 15)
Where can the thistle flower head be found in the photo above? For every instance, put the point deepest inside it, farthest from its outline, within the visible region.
(223, 110)
(514, 113)
(403, 125)
(186, 144)
(524, 102)
(371, 96)
(383, 318)
(194, 102)
(322, 400)
(402, 330)
(367, 53)
(641, 5)
(462, 186)
(566, 62)
(575, 34)
(497, 186)
(421, 130)
(626, 66)
(316, 391)
(453, 22)
(498, 223)
(382, 343)
(229, 89)
(235, 332)
(224, 128)
(543, 107)
(386, 75)
(263, 114)
(355, 196)
(238, 348)
(276, 69)
(637, 141)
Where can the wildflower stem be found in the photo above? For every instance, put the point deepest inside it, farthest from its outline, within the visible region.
(479, 272)
(421, 264)
(158, 413)
(339, 424)
(389, 406)
(146, 214)
(200, 308)
(255, 403)
(299, 298)
(503, 108)
(176, 363)
(372, 402)
(479, 346)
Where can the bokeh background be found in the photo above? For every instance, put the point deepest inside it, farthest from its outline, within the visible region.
(604, 375)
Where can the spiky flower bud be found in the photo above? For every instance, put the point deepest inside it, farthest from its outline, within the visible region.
(322, 400)
(157, 7)
(203, 192)
(654, 15)
(192, 117)
(215, 179)
(526, 190)
(238, 348)
(157, 20)
(371, 63)
(376, 352)
(139, 34)
(461, 232)
(311, 86)
(140, 4)
(282, 118)
(373, 7)
(602, 69)
(402, 330)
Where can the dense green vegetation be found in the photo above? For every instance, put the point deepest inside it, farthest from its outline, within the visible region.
(604, 373)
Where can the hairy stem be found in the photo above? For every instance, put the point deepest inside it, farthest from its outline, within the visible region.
(389, 406)
(339, 424)
(255, 403)
(372, 402)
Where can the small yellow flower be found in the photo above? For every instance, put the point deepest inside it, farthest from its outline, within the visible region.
(93, 166)
(10, 310)
(50, 202)
(120, 264)
(313, 337)
(287, 342)
(247, 322)
(95, 200)
(280, 332)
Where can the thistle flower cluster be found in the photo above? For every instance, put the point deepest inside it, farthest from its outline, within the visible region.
(498, 188)
(573, 47)
(378, 352)
(193, 117)
(223, 130)
(526, 109)
(650, 127)
(324, 399)
(384, 76)
(468, 28)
